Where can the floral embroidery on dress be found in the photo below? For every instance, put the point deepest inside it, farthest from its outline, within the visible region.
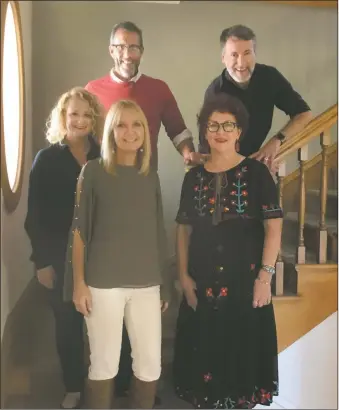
(200, 196)
(259, 396)
(223, 292)
(205, 194)
(240, 192)
(271, 210)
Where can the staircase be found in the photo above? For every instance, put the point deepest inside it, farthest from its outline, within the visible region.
(312, 211)
(305, 286)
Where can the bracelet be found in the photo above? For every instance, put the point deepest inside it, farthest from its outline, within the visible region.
(268, 268)
(264, 282)
(281, 137)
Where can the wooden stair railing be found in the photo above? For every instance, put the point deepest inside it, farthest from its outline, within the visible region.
(320, 128)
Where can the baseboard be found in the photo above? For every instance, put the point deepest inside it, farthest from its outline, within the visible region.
(284, 403)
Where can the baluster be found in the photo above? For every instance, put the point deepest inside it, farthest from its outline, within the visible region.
(301, 252)
(325, 141)
(279, 267)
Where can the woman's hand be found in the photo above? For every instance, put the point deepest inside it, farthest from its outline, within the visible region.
(82, 299)
(189, 286)
(262, 290)
(46, 277)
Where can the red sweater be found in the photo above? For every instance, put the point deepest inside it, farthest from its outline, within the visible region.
(154, 97)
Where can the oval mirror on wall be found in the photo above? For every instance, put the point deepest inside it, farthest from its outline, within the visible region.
(12, 104)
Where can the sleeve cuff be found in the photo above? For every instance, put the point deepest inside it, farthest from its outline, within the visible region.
(184, 135)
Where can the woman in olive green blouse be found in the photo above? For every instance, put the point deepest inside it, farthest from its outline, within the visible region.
(118, 257)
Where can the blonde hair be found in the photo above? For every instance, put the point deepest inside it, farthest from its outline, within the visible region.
(56, 123)
(108, 146)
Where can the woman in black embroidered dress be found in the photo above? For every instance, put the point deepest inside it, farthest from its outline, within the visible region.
(228, 237)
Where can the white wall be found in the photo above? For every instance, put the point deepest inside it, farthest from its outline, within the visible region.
(70, 47)
(308, 370)
(16, 271)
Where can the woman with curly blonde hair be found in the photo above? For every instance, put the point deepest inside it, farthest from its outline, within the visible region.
(73, 129)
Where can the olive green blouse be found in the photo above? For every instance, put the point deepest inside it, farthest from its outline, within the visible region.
(120, 220)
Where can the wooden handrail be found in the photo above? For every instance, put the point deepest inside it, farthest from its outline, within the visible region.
(318, 125)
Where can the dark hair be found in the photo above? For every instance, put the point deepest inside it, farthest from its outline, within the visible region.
(128, 26)
(223, 103)
(239, 31)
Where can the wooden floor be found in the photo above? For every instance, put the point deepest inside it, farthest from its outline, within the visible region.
(31, 377)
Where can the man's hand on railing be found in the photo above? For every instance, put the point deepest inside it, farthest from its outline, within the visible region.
(267, 154)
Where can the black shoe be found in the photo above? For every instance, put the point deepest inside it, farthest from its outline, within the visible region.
(121, 393)
(71, 401)
(157, 401)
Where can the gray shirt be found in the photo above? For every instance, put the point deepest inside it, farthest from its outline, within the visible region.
(120, 220)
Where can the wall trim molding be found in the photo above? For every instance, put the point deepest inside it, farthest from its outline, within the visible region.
(322, 4)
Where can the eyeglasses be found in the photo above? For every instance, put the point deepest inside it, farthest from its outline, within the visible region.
(228, 126)
(133, 48)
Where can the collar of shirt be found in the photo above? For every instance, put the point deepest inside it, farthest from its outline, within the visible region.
(94, 147)
(118, 80)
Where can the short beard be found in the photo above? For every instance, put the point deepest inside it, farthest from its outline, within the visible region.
(119, 71)
(236, 79)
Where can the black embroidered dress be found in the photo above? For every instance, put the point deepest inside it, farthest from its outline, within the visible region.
(226, 351)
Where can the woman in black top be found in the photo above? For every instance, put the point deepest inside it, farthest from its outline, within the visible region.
(74, 124)
(228, 237)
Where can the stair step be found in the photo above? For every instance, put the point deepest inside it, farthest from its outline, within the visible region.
(313, 221)
(313, 202)
(333, 193)
(311, 236)
(289, 253)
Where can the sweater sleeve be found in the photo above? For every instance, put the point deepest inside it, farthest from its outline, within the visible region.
(165, 289)
(34, 224)
(172, 119)
(82, 222)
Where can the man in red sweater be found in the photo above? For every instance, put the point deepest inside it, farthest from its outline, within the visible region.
(125, 81)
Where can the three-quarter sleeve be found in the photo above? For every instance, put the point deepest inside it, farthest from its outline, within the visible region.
(83, 208)
(269, 203)
(165, 288)
(82, 222)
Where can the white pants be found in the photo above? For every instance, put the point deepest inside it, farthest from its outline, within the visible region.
(140, 307)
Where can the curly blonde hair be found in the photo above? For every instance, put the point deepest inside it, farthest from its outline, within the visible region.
(108, 146)
(56, 123)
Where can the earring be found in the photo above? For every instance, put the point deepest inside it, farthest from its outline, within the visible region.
(237, 145)
(141, 150)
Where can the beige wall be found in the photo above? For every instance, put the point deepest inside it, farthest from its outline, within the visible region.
(16, 271)
(70, 47)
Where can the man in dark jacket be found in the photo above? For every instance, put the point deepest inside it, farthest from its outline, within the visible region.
(261, 88)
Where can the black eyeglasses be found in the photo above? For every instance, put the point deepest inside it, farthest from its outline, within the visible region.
(228, 126)
(133, 48)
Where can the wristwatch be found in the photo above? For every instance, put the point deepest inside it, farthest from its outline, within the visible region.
(281, 137)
